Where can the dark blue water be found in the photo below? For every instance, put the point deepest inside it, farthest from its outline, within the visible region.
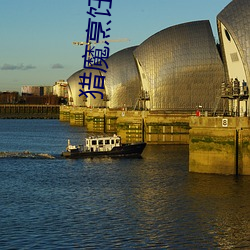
(148, 203)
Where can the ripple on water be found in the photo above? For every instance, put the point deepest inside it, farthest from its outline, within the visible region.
(148, 203)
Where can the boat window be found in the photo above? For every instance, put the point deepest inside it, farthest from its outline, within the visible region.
(117, 141)
(107, 142)
(100, 142)
(94, 142)
(112, 141)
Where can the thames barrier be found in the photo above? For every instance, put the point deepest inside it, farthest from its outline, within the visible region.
(219, 145)
(132, 126)
(179, 86)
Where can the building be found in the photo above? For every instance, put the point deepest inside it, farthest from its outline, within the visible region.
(38, 95)
(9, 97)
(60, 89)
(73, 90)
(37, 90)
(176, 69)
(234, 33)
(122, 82)
(76, 98)
(180, 68)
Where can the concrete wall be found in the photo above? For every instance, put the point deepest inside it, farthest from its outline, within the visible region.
(132, 126)
(216, 145)
(167, 129)
(64, 114)
(219, 145)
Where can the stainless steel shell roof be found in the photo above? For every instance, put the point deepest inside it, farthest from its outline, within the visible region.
(123, 84)
(181, 67)
(74, 90)
(236, 18)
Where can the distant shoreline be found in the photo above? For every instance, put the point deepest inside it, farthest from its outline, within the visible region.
(17, 111)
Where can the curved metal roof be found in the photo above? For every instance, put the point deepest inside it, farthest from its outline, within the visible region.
(123, 84)
(74, 89)
(236, 18)
(180, 67)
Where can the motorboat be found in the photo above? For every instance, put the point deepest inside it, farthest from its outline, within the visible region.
(96, 146)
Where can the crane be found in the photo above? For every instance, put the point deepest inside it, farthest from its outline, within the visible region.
(102, 41)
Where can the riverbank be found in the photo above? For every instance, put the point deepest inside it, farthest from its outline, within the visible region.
(25, 111)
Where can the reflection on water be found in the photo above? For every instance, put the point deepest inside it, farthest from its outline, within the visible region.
(148, 203)
(224, 201)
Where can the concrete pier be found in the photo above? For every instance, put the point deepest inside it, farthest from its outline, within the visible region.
(219, 145)
(132, 126)
(64, 114)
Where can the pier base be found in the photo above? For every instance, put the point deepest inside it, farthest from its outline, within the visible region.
(132, 126)
(219, 145)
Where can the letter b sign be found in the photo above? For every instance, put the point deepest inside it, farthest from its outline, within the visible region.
(224, 123)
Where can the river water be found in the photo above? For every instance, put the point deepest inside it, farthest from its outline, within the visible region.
(149, 203)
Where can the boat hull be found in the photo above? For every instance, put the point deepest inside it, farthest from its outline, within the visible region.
(126, 150)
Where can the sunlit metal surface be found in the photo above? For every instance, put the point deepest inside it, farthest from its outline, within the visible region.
(180, 67)
(234, 33)
(236, 18)
(123, 84)
(74, 90)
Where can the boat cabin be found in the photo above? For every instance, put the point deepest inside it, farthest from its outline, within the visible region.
(105, 143)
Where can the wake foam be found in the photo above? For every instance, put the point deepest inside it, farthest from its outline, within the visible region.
(26, 154)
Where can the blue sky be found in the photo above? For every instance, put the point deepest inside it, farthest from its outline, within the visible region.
(36, 35)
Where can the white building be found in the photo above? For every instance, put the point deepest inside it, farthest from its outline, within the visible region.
(60, 88)
(36, 90)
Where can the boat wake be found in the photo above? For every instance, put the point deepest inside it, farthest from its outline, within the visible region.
(26, 154)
